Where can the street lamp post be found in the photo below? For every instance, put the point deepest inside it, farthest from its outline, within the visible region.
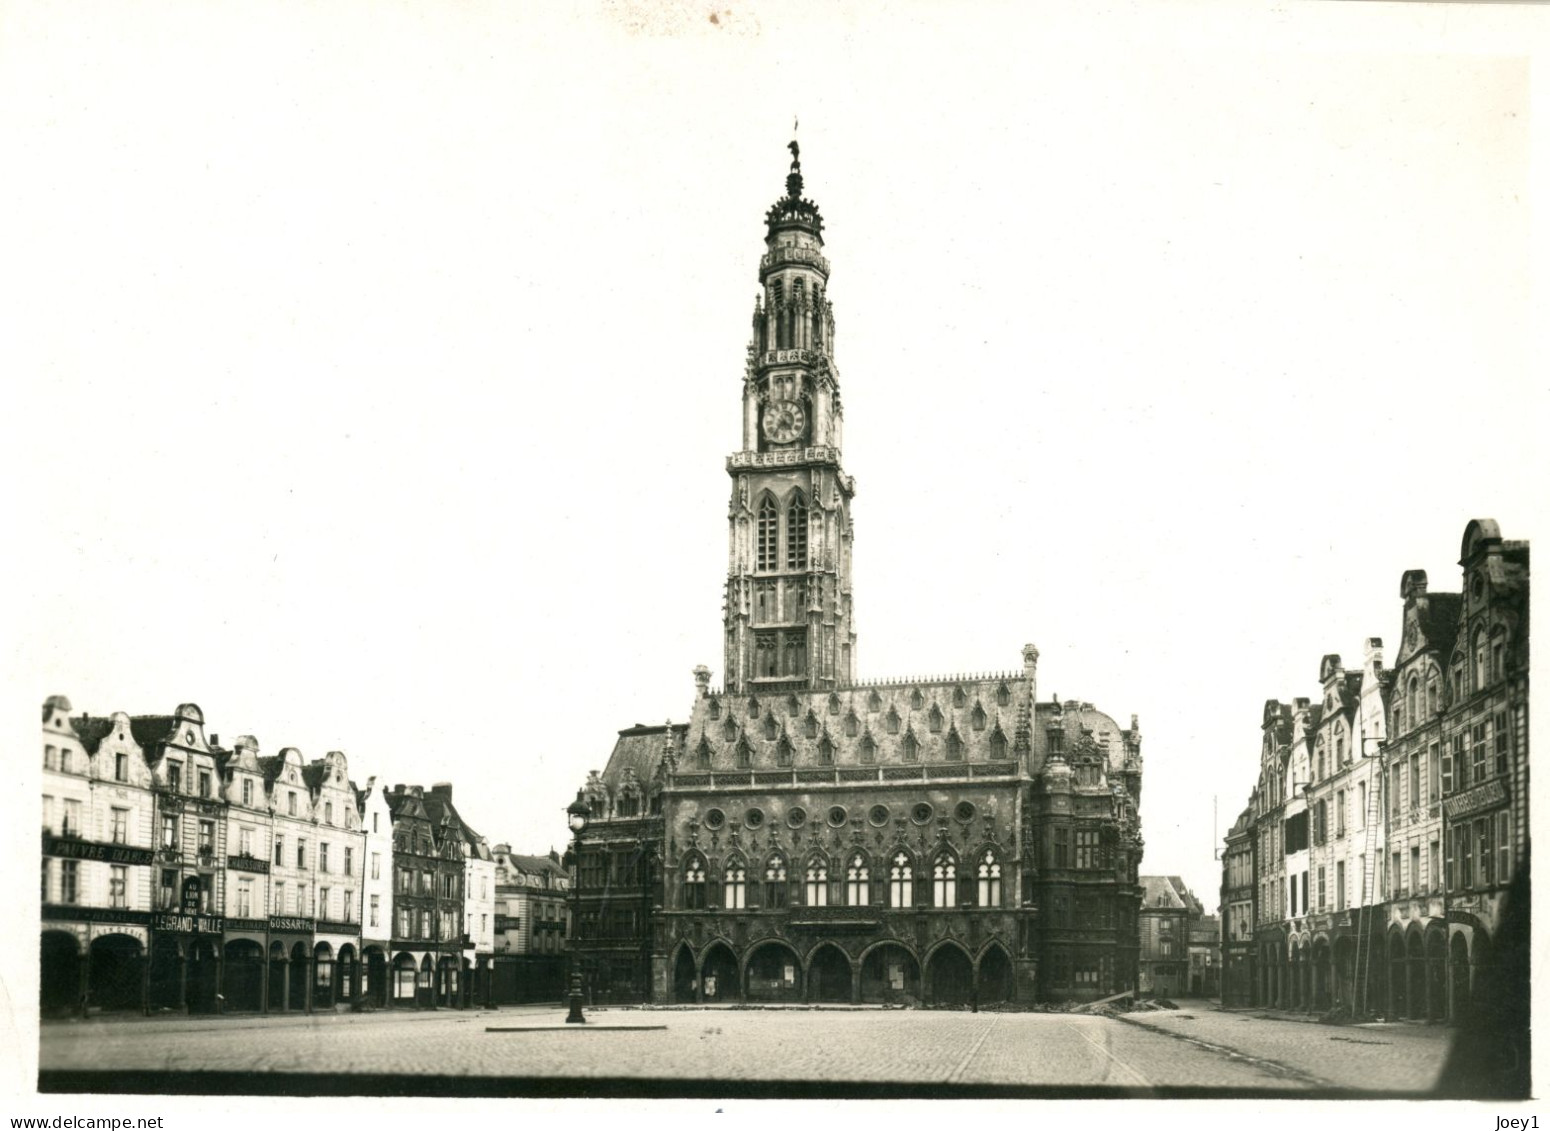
(577, 814)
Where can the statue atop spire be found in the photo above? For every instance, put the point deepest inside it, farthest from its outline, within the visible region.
(792, 207)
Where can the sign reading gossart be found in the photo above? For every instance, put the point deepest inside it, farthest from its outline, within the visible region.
(72, 849)
(289, 923)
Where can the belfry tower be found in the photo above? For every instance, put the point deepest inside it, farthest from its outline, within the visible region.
(789, 621)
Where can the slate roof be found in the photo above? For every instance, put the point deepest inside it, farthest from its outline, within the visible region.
(969, 707)
(1440, 621)
(1170, 892)
(640, 749)
(91, 731)
(151, 730)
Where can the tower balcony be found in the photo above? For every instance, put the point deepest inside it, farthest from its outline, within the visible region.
(786, 256)
(785, 457)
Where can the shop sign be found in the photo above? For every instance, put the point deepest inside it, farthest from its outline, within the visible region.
(1482, 796)
(72, 849)
(96, 914)
(186, 923)
(290, 923)
(243, 863)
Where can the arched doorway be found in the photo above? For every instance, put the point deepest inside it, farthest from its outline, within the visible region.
(204, 979)
(323, 976)
(406, 976)
(1399, 1004)
(374, 977)
(446, 981)
(1415, 975)
(1345, 971)
(166, 973)
(890, 975)
(1436, 974)
(59, 973)
(1321, 974)
(346, 975)
(828, 975)
(116, 965)
(425, 984)
(718, 973)
(949, 976)
(279, 969)
(301, 976)
(995, 976)
(244, 976)
(685, 977)
(773, 973)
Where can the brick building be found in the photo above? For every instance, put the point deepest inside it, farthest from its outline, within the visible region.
(810, 836)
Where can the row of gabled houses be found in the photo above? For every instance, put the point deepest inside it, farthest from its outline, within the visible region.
(1370, 872)
(181, 874)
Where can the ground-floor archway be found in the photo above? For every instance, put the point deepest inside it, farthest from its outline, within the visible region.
(301, 976)
(117, 970)
(718, 973)
(1399, 981)
(59, 972)
(1322, 996)
(995, 976)
(1458, 968)
(890, 975)
(243, 980)
(828, 974)
(425, 984)
(447, 981)
(405, 980)
(346, 975)
(323, 981)
(166, 973)
(1344, 958)
(374, 977)
(1436, 974)
(685, 976)
(949, 976)
(773, 973)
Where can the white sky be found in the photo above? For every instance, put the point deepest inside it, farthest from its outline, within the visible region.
(378, 362)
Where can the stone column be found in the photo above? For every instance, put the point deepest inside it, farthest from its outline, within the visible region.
(83, 996)
(263, 984)
(285, 985)
(182, 980)
(308, 977)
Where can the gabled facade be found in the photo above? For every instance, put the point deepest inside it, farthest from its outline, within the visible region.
(1416, 804)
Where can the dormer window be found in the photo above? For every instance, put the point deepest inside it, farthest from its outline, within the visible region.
(175, 776)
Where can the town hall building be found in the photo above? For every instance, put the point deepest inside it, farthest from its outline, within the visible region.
(811, 836)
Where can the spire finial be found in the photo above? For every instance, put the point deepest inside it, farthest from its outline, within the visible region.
(794, 178)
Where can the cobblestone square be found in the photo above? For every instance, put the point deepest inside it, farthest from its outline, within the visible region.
(1153, 1053)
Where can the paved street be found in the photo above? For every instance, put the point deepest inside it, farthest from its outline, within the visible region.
(1194, 1048)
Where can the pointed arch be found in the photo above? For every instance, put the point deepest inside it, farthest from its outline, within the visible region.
(868, 748)
(767, 534)
(852, 725)
(810, 725)
(743, 753)
(998, 743)
(954, 745)
(891, 721)
(917, 700)
(1003, 695)
(825, 750)
(828, 973)
(944, 877)
(729, 729)
(776, 880)
(793, 708)
(901, 877)
(960, 698)
(713, 708)
(858, 878)
(796, 531)
(734, 882)
(834, 704)
(874, 702)
(934, 719)
(815, 879)
(702, 754)
(911, 746)
(987, 875)
(770, 727)
(783, 752)
(692, 884)
(977, 716)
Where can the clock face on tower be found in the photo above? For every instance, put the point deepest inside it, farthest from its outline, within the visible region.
(784, 421)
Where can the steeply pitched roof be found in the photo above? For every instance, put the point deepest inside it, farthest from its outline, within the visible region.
(1167, 891)
(149, 730)
(639, 749)
(91, 731)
